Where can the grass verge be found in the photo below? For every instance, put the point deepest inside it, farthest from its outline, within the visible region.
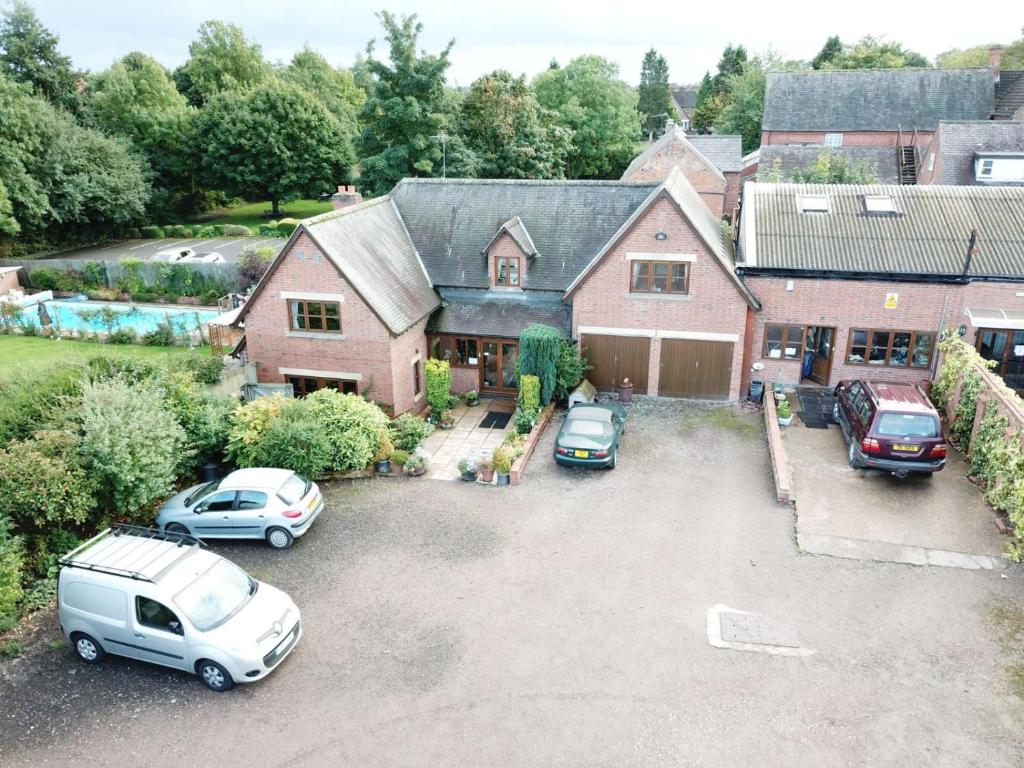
(251, 214)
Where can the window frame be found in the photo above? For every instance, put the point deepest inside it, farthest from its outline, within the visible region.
(506, 283)
(784, 340)
(323, 316)
(448, 345)
(887, 360)
(299, 389)
(417, 387)
(669, 277)
(159, 627)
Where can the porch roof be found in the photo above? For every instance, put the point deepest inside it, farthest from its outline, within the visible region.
(467, 315)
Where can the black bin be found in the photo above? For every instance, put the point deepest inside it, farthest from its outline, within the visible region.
(755, 392)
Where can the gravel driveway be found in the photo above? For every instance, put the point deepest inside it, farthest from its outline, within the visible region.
(563, 623)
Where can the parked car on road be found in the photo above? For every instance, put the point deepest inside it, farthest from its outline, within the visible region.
(186, 256)
(590, 435)
(890, 427)
(259, 503)
(161, 597)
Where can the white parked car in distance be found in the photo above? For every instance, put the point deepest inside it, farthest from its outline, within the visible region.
(163, 598)
(186, 256)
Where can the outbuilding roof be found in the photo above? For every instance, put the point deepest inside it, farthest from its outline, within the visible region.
(876, 99)
(928, 231)
(724, 150)
(452, 220)
(473, 313)
(958, 142)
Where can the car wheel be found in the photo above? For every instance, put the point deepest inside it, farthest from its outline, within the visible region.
(279, 538)
(176, 528)
(852, 455)
(88, 650)
(214, 676)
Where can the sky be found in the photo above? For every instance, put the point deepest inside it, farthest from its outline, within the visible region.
(521, 36)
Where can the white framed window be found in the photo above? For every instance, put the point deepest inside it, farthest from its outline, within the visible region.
(879, 204)
(833, 139)
(813, 204)
(931, 161)
(986, 168)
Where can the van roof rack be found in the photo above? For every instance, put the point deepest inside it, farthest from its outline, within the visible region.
(124, 550)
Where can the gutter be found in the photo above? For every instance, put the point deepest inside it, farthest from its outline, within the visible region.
(892, 277)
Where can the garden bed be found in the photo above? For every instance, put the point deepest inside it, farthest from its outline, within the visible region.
(519, 466)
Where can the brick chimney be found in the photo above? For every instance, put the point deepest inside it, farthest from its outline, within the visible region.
(345, 197)
(670, 126)
(995, 59)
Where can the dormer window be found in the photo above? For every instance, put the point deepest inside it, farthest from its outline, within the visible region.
(986, 168)
(813, 203)
(506, 271)
(880, 205)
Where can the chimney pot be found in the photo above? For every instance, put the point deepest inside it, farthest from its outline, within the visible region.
(995, 59)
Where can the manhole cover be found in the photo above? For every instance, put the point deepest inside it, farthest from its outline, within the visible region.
(743, 631)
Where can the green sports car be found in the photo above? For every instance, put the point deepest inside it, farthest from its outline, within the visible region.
(590, 435)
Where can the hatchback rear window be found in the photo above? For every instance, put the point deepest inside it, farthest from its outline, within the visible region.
(907, 425)
(294, 488)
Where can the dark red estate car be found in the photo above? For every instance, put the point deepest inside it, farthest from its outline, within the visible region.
(890, 427)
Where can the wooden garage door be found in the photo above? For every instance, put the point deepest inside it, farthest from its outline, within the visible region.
(615, 358)
(695, 368)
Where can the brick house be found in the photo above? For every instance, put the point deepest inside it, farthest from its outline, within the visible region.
(975, 152)
(712, 164)
(639, 273)
(858, 281)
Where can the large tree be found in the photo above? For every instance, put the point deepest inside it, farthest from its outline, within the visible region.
(512, 135)
(274, 142)
(654, 100)
(221, 58)
(137, 99)
(713, 94)
(874, 53)
(731, 63)
(833, 47)
(28, 54)
(600, 109)
(1012, 58)
(8, 224)
(744, 110)
(335, 87)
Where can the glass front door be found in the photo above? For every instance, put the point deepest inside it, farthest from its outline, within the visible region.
(498, 373)
(1007, 349)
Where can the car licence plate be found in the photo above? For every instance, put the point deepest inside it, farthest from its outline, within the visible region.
(903, 447)
(312, 503)
(580, 454)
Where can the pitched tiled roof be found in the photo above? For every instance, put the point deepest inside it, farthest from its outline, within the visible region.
(517, 231)
(685, 97)
(1010, 93)
(875, 99)
(725, 151)
(676, 135)
(957, 143)
(793, 157)
(368, 244)
(452, 220)
(928, 235)
(474, 314)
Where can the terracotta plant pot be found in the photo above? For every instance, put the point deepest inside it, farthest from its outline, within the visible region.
(487, 474)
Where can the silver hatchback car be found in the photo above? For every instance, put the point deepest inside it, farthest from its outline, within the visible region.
(260, 503)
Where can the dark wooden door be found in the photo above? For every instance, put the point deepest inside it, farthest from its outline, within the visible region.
(820, 342)
(615, 358)
(691, 368)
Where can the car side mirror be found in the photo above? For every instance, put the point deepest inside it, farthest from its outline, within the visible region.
(175, 627)
(199, 510)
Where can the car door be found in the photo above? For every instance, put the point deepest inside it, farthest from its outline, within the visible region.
(159, 635)
(214, 516)
(250, 514)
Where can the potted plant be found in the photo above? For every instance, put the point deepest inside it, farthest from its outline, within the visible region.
(398, 458)
(626, 391)
(785, 412)
(472, 398)
(381, 460)
(447, 420)
(415, 465)
(468, 470)
(502, 459)
(485, 466)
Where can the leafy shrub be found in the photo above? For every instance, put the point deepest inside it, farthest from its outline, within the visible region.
(122, 336)
(540, 348)
(353, 427)
(207, 231)
(152, 233)
(204, 418)
(206, 369)
(131, 280)
(236, 230)
(408, 431)
(502, 458)
(29, 328)
(103, 367)
(133, 443)
(439, 383)
(529, 392)
(38, 398)
(248, 424)
(295, 441)
(285, 228)
(44, 484)
(44, 278)
(525, 419)
(269, 230)
(175, 230)
(161, 336)
(399, 457)
(253, 263)
(10, 577)
(94, 274)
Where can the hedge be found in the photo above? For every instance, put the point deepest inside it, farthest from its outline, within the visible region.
(152, 233)
(540, 347)
(439, 384)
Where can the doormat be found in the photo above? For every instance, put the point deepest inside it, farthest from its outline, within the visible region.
(814, 420)
(816, 408)
(495, 420)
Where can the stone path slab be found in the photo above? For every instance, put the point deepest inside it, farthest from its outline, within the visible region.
(858, 549)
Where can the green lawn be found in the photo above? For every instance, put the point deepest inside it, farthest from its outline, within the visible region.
(20, 352)
(251, 214)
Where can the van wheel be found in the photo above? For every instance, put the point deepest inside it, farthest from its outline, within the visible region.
(214, 676)
(88, 650)
(279, 538)
(852, 455)
(176, 528)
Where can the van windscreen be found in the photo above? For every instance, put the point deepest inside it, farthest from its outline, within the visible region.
(907, 425)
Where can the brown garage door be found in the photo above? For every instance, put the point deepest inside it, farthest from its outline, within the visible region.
(615, 358)
(695, 368)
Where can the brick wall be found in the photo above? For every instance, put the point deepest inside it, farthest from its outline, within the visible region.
(465, 380)
(714, 304)
(506, 247)
(850, 138)
(410, 346)
(364, 347)
(712, 189)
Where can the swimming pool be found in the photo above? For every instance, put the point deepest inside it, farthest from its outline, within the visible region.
(102, 316)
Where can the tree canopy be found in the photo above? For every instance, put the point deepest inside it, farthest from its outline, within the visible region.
(221, 59)
(874, 53)
(833, 47)
(513, 136)
(588, 98)
(1012, 57)
(333, 86)
(404, 116)
(275, 141)
(654, 96)
(836, 168)
(28, 54)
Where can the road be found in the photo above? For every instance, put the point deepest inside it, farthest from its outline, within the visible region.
(228, 247)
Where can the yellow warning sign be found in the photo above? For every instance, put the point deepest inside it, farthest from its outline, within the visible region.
(891, 300)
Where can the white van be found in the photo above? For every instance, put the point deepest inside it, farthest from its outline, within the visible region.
(162, 597)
